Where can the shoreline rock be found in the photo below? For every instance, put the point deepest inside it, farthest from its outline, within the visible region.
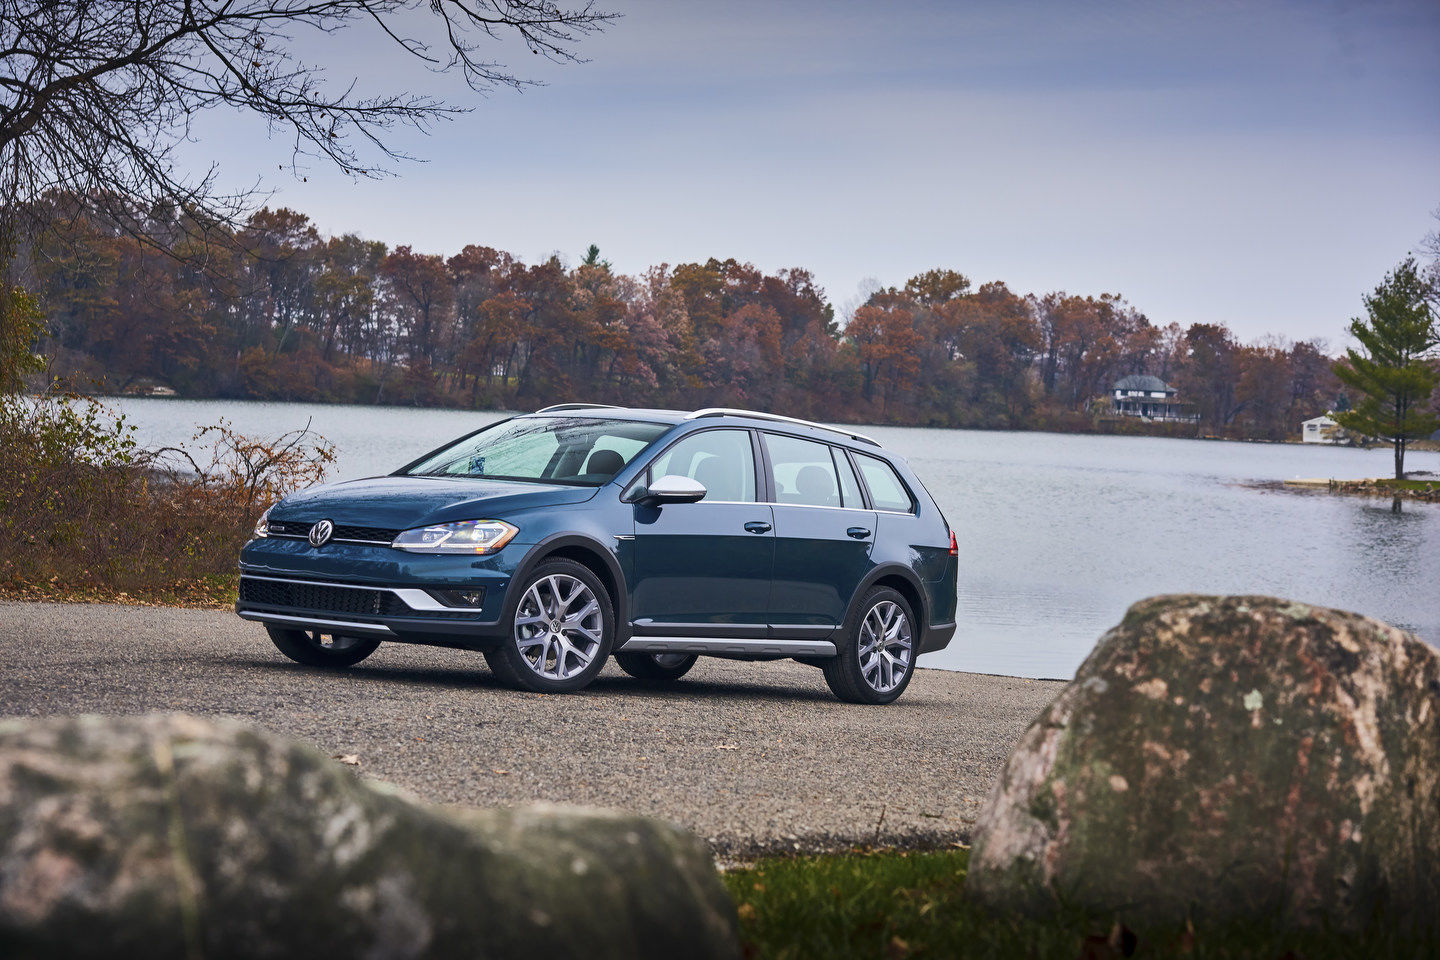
(1227, 757)
(169, 835)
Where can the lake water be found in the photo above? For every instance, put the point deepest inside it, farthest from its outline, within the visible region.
(1058, 533)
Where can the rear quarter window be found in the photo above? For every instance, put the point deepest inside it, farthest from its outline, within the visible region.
(887, 490)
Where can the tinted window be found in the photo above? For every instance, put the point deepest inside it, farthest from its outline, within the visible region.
(887, 492)
(804, 471)
(849, 486)
(575, 450)
(722, 460)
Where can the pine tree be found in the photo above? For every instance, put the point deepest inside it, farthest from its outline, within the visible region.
(1394, 377)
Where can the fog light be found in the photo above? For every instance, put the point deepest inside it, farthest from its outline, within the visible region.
(470, 597)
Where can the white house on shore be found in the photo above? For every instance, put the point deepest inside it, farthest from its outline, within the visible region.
(1152, 399)
(1321, 429)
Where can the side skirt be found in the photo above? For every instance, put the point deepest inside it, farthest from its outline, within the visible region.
(729, 646)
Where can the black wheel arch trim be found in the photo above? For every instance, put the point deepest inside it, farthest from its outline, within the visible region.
(891, 570)
(541, 551)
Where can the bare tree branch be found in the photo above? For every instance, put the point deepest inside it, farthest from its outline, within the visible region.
(96, 96)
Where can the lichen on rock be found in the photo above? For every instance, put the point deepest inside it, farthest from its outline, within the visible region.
(1225, 757)
(171, 836)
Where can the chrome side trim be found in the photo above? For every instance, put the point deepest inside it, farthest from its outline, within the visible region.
(375, 628)
(737, 412)
(722, 646)
(413, 598)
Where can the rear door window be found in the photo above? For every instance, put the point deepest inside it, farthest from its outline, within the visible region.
(887, 490)
(803, 471)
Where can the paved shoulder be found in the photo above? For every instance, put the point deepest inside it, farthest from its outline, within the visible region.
(752, 757)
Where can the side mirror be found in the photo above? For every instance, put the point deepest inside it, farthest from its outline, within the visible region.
(673, 489)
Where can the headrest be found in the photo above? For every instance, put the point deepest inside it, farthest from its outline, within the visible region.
(605, 462)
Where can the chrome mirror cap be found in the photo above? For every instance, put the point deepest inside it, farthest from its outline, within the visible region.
(674, 489)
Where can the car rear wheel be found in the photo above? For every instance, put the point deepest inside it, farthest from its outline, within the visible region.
(656, 667)
(316, 649)
(560, 633)
(876, 655)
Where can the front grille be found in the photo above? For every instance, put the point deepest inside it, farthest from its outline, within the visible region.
(288, 528)
(361, 602)
(343, 532)
(310, 596)
(377, 534)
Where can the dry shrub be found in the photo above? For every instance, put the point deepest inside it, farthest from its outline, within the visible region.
(85, 512)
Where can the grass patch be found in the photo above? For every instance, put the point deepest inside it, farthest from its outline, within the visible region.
(1413, 486)
(909, 904)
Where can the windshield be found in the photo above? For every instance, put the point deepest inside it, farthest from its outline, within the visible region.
(574, 450)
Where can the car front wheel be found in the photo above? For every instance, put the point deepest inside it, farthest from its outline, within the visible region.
(316, 649)
(560, 633)
(876, 654)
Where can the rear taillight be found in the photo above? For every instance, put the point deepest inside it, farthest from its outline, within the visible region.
(954, 547)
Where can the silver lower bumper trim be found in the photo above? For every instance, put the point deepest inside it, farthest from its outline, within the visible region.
(722, 646)
(412, 598)
(318, 623)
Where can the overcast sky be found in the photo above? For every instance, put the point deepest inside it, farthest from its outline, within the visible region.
(1258, 164)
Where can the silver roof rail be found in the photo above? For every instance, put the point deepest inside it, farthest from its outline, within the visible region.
(576, 406)
(734, 412)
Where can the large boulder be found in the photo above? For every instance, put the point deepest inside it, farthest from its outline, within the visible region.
(170, 836)
(1223, 757)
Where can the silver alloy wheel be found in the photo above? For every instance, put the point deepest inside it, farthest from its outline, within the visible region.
(885, 646)
(558, 627)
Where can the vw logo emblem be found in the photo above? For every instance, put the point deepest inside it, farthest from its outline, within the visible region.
(320, 533)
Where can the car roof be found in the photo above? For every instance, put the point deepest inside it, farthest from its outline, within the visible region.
(751, 418)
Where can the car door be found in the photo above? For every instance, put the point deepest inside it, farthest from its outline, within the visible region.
(823, 535)
(703, 569)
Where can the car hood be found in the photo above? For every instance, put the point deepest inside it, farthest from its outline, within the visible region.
(404, 502)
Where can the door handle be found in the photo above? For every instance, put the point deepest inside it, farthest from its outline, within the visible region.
(758, 526)
(859, 533)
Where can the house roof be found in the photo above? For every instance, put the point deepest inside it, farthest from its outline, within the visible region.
(1140, 381)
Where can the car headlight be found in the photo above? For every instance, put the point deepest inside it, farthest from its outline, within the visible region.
(464, 536)
(262, 526)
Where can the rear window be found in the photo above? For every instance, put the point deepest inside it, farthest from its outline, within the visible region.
(887, 490)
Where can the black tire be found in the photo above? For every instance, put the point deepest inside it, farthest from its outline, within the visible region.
(844, 672)
(518, 668)
(656, 667)
(309, 647)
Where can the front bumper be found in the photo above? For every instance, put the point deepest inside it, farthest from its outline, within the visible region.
(373, 591)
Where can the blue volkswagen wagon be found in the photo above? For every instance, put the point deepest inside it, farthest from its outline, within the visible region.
(552, 540)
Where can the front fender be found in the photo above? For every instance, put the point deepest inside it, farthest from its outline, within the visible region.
(570, 543)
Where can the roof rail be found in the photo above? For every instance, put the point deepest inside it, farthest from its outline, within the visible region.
(735, 412)
(576, 406)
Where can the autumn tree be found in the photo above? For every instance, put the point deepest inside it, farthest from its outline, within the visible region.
(1209, 372)
(1392, 371)
(884, 331)
(97, 96)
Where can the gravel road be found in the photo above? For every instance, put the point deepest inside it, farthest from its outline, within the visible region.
(754, 757)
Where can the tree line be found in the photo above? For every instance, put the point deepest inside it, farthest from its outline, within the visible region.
(274, 309)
